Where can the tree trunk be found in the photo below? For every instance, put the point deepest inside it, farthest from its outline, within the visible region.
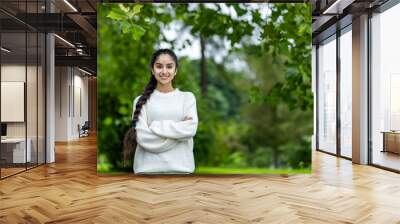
(203, 67)
(275, 158)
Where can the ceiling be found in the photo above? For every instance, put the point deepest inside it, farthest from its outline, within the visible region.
(330, 15)
(74, 22)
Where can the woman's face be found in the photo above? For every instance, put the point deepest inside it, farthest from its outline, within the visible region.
(164, 69)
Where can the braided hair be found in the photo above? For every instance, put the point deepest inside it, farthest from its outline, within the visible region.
(130, 142)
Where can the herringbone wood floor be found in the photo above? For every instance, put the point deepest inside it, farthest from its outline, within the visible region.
(70, 191)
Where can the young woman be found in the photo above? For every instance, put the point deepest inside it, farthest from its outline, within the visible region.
(164, 122)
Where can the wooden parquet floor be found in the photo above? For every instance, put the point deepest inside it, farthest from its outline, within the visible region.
(70, 191)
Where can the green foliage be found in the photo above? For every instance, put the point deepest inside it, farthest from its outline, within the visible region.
(123, 73)
(248, 170)
(124, 17)
(287, 33)
(298, 155)
(254, 118)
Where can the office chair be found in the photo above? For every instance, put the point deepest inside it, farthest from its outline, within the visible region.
(84, 130)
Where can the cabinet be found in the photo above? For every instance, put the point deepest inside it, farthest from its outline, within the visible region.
(13, 150)
(391, 142)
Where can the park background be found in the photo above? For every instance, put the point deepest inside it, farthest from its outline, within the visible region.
(248, 64)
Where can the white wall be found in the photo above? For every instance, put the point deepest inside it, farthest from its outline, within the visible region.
(34, 124)
(80, 110)
(71, 94)
(61, 103)
(16, 73)
(12, 101)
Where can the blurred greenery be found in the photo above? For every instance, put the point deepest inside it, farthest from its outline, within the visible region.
(254, 118)
(229, 170)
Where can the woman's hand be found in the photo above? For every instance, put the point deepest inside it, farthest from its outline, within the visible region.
(187, 118)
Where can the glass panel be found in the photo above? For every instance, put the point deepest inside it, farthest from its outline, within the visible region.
(23, 89)
(31, 86)
(13, 86)
(345, 94)
(327, 96)
(41, 99)
(386, 89)
(31, 97)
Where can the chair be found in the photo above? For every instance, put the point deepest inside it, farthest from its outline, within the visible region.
(84, 130)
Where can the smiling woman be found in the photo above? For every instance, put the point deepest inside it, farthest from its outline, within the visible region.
(164, 122)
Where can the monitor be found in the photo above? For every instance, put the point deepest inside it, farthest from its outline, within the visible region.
(3, 129)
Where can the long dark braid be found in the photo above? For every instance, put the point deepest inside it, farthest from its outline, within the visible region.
(130, 137)
(130, 142)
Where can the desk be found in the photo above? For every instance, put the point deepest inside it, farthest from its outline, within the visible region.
(16, 147)
(391, 141)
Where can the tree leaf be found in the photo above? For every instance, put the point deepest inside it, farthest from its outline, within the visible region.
(137, 31)
(123, 8)
(126, 27)
(116, 15)
(137, 8)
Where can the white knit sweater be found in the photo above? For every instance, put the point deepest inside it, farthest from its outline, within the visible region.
(165, 141)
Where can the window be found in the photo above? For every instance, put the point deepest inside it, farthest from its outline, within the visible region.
(385, 89)
(346, 92)
(23, 79)
(327, 96)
